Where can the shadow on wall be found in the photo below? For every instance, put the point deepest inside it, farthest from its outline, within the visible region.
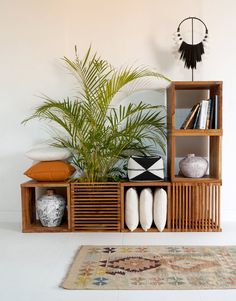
(11, 176)
(164, 57)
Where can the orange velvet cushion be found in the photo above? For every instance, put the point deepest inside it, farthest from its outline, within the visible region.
(50, 171)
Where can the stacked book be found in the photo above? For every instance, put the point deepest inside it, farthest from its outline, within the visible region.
(203, 115)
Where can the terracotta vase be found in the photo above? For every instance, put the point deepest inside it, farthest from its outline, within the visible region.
(193, 167)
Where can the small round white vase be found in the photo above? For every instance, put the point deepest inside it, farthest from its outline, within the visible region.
(193, 167)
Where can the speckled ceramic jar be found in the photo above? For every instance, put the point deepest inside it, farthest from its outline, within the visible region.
(50, 209)
(193, 167)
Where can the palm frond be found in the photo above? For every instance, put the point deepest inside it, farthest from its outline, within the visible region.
(98, 134)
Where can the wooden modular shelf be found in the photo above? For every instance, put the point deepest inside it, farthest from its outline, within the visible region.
(193, 205)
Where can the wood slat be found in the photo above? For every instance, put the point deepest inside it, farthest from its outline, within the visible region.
(173, 206)
(218, 194)
(168, 208)
(187, 205)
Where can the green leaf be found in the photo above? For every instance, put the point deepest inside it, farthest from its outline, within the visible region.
(98, 134)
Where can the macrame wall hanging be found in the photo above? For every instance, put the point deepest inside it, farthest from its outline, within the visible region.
(191, 53)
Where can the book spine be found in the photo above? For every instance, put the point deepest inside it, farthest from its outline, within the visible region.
(188, 119)
(216, 113)
(208, 114)
(196, 121)
(203, 114)
(192, 118)
(212, 113)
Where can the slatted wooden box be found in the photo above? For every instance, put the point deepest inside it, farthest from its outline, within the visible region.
(195, 206)
(95, 207)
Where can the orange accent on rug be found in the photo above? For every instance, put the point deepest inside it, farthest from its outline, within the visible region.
(152, 268)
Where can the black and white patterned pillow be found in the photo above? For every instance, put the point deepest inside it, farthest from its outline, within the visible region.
(146, 168)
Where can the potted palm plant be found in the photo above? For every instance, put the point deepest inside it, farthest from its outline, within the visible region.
(100, 134)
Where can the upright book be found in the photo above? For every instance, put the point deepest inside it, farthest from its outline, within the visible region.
(209, 109)
(214, 113)
(189, 121)
(203, 114)
(196, 119)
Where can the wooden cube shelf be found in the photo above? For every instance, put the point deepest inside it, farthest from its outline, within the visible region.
(139, 186)
(214, 136)
(30, 223)
(195, 206)
(212, 152)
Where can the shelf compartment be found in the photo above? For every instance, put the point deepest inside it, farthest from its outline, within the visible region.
(29, 190)
(208, 147)
(182, 96)
(95, 207)
(139, 186)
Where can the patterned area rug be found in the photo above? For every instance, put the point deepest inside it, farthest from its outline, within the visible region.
(152, 268)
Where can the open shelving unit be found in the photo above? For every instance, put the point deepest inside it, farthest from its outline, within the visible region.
(193, 203)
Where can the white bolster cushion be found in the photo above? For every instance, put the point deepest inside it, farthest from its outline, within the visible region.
(131, 209)
(146, 208)
(160, 208)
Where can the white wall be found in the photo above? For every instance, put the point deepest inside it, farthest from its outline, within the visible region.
(34, 34)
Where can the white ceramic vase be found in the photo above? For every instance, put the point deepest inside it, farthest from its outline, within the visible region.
(193, 167)
(50, 209)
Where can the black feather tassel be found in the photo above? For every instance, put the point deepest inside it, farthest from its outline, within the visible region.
(191, 54)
